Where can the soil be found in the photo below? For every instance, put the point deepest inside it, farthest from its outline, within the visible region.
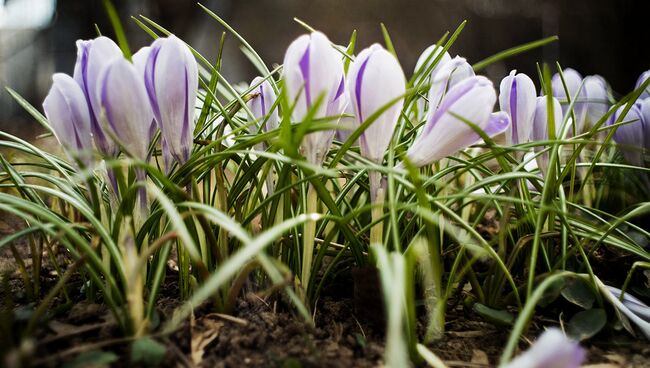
(261, 332)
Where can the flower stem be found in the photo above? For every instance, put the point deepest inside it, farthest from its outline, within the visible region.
(377, 200)
(309, 236)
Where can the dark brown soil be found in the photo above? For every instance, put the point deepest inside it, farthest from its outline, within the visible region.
(264, 333)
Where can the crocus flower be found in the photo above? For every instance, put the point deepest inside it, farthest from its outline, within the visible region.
(644, 107)
(631, 135)
(642, 78)
(447, 76)
(375, 81)
(92, 58)
(597, 102)
(446, 131)
(551, 350)
(125, 106)
(261, 105)
(431, 53)
(313, 70)
(347, 125)
(172, 79)
(67, 112)
(517, 98)
(541, 127)
(573, 81)
(140, 62)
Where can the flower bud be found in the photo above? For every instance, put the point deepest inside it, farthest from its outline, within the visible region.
(541, 126)
(125, 106)
(261, 105)
(642, 78)
(172, 80)
(429, 55)
(446, 131)
(630, 136)
(67, 112)
(447, 76)
(597, 102)
(517, 97)
(313, 70)
(92, 58)
(573, 81)
(376, 81)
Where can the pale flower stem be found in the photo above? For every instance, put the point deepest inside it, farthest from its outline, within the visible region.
(308, 237)
(377, 199)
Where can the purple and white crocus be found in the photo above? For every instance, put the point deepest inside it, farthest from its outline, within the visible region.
(92, 58)
(576, 91)
(314, 79)
(642, 78)
(446, 131)
(425, 61)
(517, 97)
(171, 78)
(630, 136)
(597, 101)
(67, 112)
(541, 126)
(261, 105)
(376, 81)
(551, 350)
(448, 75)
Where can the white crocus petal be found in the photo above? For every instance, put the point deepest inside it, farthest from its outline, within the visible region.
(517, 97)
(375, 81)
(125, 106)
(67, 112)
(262, 105)
(92, 58)
(630, 135)
(642, 78)
(429, 55)
(140, 62)
(447, 76)
(573, 81)
(446, 131)
(551, 350)
(313, 71)
(597, 102)
(348, 124)
(171, 80)
(644, 108)
(541, 127)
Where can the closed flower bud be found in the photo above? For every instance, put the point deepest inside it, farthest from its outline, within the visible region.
(517, 97)
(261, 105)
(446, 131)
(92, 58)
(140, 62)
(551, 350)
(429, 55)
(642, 78)
(67, 112)
(125, 106)
(630, 136)
(172, 79)
(573, 81)
(313, 71)
(540, 131)
(447, 76)
(376, 81)
(597, 102)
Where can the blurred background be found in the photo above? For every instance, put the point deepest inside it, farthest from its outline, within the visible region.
(606, 37)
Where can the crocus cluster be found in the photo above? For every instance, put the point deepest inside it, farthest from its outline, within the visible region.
(119, 104)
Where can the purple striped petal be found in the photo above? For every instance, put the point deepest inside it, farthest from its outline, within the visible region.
(551, 350)
(446, 131)
(67, 112)
(447, 76)
(573, 81)
(171, 81)
(642, 78)
(261, 105)
(597, 101)
(125, 107)
(631, 135)
(92, 58)
(517, 97)
(375, 81)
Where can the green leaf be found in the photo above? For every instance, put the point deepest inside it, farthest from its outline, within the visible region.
(96, 358)
(552, 292)
(147, 351)
(586, 324)
(494, 316)
(578, 292)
